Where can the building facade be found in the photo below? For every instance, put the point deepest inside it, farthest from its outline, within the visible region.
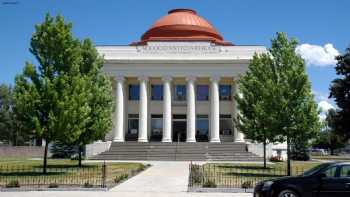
(177, 83)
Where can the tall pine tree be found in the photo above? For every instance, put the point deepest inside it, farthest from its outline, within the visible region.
(340, 91)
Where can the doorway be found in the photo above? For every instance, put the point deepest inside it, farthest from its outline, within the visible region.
(179, 131)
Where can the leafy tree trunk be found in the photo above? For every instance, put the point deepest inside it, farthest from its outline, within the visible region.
(45, 157)
(288, 157)
(265, 153)
(80, 150)
(332, 151)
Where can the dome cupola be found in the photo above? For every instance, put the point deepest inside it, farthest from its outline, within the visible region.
(182, 25)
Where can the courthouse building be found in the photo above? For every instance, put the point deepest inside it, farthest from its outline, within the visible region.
(177, 83)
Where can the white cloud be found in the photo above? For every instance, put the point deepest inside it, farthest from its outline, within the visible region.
(324, 106)
(317, 55)
(322, 117)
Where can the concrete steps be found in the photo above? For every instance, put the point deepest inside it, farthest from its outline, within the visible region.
(199, 151)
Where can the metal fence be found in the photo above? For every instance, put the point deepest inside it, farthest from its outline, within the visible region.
(233, 176)
(88, 176)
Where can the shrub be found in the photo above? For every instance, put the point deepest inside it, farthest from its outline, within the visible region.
(76, 157)
(247, 184)
(300, 156)
(53, 185)
(61, 150)
(120, 178)
(13, 183)
(88, 185)
(210, 184)
(196, 174)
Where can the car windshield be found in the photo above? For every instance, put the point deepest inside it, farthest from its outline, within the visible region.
(316, 169)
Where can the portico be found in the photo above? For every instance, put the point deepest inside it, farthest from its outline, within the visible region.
(178, 83)
(169, 105)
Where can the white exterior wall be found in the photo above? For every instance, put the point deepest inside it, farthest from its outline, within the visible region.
(177, 60)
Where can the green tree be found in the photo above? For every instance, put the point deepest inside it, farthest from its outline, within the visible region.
(296, 115)
(12, 130)
(340, 91)
(53, 97)
(329, 138)
(6, 118)
(256, 104)
(101, 100)
(285, 100)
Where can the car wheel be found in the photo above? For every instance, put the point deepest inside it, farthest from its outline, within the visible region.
(288, 193)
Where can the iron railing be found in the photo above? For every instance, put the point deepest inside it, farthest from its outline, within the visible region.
(88, 176)
(233, 176)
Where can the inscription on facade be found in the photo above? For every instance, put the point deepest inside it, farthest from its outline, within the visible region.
(179, 49)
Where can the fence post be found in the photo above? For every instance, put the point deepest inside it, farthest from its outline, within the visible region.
(104, 173)
(190, 177)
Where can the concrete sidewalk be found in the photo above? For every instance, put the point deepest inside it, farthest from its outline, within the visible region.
(160, 177)
(168, 179)
(119, 194)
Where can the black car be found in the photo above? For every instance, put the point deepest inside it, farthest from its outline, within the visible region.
(328, 179)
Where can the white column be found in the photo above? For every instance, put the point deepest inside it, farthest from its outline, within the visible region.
(143, 110)
(118, 135)
(238, 136)
(191, 109)
(166, 109)
(214, 109)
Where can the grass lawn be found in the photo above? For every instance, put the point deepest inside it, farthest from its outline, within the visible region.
(28, 173)
(333, 157)
(244, 174)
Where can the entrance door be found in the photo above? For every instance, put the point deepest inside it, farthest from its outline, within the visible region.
(179, 131)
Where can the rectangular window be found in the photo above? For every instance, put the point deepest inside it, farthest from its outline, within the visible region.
(225, 92)
(156, 124)
(133, 124)
(226, 124)
(134, 92)
(202, 92)
(180, 93)
(157, 92)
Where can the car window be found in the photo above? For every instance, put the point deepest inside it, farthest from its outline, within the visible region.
(316, 169)
(330, 172)
(345, 171)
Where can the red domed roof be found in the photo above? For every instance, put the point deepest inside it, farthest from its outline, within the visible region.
(182, 25)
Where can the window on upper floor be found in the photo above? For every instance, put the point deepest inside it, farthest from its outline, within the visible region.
(157, 92)
(225, 92)
(134, 92)
(179, 92)
(202, 92)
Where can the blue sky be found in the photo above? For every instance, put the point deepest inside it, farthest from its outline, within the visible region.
(247, 22)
